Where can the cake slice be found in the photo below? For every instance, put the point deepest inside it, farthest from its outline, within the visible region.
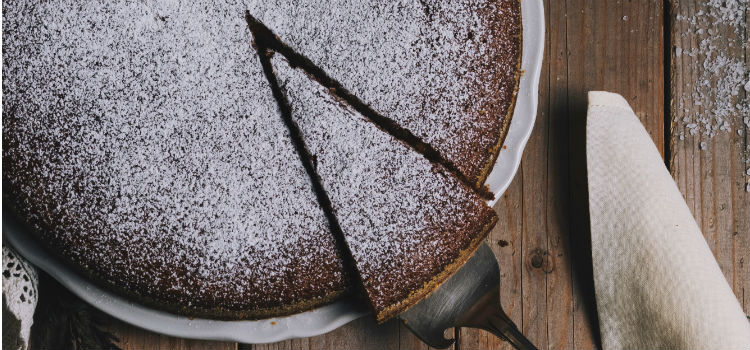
(407, 222)
(446, 71)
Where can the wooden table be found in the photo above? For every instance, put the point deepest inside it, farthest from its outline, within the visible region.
(542, 240)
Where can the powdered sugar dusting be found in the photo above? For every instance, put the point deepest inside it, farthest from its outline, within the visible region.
(403, 218)
(723, 82)
(445, 70)
(146, 135)
(717, 101)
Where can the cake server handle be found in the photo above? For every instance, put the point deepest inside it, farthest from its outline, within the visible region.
(500, 325)
(488, 314)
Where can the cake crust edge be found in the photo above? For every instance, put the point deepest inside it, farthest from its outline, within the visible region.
(494, 152)
(437, 280)
(173, 306)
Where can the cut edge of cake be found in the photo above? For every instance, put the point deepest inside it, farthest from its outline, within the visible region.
(489, 219)
(477, 164)
(264, 37)
(418, 295)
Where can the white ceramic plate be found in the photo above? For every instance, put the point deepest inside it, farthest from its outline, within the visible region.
(326, 318)
(532, 17)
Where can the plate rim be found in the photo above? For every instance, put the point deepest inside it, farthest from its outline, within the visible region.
(325, 318)
(527, 100)
(267, 330)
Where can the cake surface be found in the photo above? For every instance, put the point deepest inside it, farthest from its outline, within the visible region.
(447, 71)
(144, 147)
(408, 223)
(143, 144)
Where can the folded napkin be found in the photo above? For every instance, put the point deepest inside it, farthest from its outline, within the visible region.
(657, 283)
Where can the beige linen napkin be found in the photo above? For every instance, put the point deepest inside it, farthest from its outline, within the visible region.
(657, 283)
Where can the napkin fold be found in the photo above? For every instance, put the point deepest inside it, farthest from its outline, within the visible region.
(657, 284)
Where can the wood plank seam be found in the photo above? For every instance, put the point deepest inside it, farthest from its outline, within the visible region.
(667, 61)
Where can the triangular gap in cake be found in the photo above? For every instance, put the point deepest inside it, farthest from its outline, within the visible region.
(306, 159)
(264, 37)
(408, 223)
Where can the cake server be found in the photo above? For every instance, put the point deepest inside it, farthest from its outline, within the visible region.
(469, 298)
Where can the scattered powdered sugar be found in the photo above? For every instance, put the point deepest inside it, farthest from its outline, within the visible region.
(403, 218)
(444, 70)
(147, 136)
(718, 101)
(719, 95)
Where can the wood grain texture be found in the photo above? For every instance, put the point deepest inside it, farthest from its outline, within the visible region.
(711, 171)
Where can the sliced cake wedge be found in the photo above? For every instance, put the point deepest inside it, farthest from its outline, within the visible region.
(407, 222)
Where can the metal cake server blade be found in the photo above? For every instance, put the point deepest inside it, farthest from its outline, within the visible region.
(469, 298)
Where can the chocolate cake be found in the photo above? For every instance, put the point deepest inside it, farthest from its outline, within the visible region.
(408, 223)
(144, 146)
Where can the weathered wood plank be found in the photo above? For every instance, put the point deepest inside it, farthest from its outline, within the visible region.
(135, 338)
(534, 230)
(560, 298)
(709, 60)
